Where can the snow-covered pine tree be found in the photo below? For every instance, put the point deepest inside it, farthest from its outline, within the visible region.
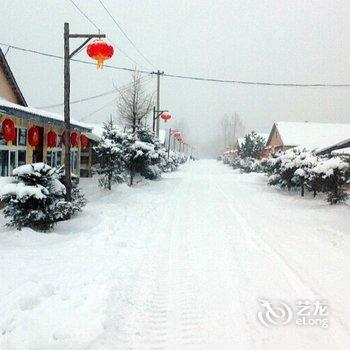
(36, 198)
(252, 146)
(111, 153)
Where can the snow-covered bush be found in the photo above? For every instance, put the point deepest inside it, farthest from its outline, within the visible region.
(301, 169)
(335, 173)
(36, 198)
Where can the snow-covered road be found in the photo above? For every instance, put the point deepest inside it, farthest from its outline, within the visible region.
(177, 264)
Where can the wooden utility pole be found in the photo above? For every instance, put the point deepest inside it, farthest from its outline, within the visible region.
(67, 177)
(169, 140)
(159, 73)
(67, 57)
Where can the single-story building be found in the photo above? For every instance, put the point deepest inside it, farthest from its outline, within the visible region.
(312, 136)
(22, 126)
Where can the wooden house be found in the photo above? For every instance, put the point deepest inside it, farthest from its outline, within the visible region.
(14, 108)
(309, 135)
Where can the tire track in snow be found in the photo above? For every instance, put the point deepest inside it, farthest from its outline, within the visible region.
(338, 336)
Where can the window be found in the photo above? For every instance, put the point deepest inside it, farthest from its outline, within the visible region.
(54, 156)
(74, 161)
(4, 162)
(22, 137)
(15, 155)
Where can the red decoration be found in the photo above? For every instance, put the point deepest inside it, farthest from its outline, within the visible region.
(165, 117)
(100, 51)
(8, 130)
(84, 141)
(74, 139)
(51, 139)
(34, 136)
(177, 134)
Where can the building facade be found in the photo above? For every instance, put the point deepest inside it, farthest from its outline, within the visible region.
(13, 107)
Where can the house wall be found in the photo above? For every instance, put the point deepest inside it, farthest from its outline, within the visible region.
(19, 122)
(5, 88)
(275, 139)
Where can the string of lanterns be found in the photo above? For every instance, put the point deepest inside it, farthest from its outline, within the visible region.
(34, 136)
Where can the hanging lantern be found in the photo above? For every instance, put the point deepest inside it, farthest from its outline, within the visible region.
(165, 117)
(177, 134)
(74, 139)
(51, 139)
(100, 51)
(84, 141)
(34, 136)
(8, 130)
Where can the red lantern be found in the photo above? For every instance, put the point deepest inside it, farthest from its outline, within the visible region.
(100, 51)
(34, 136)
(165, 117)
(51, 139)
(74, 139)
(177, 134)
(84, 141)
(8, 130)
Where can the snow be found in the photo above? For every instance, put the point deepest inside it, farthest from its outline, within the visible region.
(177, 263)
(21, 190)
(328, 166)
(312, 135)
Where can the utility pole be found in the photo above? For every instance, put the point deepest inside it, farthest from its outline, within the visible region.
(67, 57)
(159, 73)
(169, 140)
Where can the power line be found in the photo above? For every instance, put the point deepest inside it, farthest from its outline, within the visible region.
(243, 82)
(238, 82)
(85, 15)
(111, 101)
(73, 59)
(106, 93)
(99, 30)
(125, 34)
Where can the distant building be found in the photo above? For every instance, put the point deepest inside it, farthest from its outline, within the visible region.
(13, 106)
(312, 136)
(340, 148)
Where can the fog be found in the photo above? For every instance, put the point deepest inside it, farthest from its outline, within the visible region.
(265, 40)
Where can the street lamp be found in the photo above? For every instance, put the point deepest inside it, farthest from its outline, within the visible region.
(100, 54)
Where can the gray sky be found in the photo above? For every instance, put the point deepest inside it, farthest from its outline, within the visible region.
(280, 41)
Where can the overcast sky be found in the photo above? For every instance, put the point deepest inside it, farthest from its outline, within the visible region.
(275, 40)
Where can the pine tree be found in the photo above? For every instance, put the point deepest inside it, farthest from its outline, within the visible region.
(252, 146)
(110, 151)
(36, 198)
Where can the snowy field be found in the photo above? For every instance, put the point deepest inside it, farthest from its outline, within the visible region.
(178, 263)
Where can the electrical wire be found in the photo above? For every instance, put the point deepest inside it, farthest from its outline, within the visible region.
(99, 30)
(237, 82)
(125, 34)
(106, 93)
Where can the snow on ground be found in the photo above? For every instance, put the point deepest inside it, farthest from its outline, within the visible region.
(177, 263)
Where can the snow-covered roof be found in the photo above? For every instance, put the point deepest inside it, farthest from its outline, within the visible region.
(31, 112)
(342, 151)
(312, 135)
